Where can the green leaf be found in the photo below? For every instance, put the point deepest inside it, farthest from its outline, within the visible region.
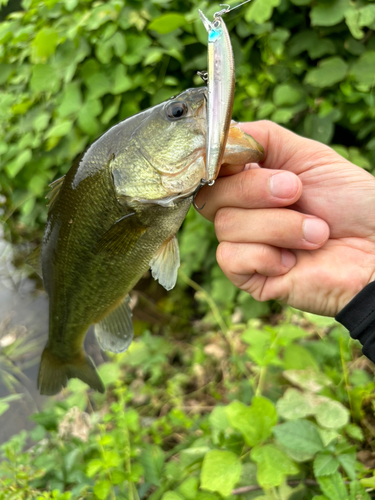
(333, 486)
(348, 462)
(59, 129)
(72, 100)
(261, 10)
(109, 373)
(189, 488)
(221, 470)
(219, 421)
(152, 459)
(122, 82)
(167, 23)
(94, 466)
(171, 495)
(98, 85)
(307, 379)
(367, 15)
(357, 492)
(325, 463)
(5, 71)
(111, 110)
(296, 357)
(287, 95)
(363, 69)
(352, 20)
(14, 166)
(354, 431)
(300, 439)
(44, 79)
(254, 422)
(309, 40)
(329, 72)
(102, 488)
(329, 13)
(44, 44)
(295, 405)
(331, 414)
(273, 465)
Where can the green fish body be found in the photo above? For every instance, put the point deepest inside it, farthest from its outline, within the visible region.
(114, 215)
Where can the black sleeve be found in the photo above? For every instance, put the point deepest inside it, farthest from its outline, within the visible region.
(359, 318)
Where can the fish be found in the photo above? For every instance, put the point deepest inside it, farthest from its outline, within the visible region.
(115, 215)
(221, 82)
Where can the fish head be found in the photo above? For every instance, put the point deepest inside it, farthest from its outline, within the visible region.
(170, 146)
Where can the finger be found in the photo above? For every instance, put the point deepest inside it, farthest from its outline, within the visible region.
(254, 188)
(227, 169)
(278, 227)
(284, 149)
(239, 261)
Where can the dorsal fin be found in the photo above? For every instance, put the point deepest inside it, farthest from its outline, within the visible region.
(55, 189)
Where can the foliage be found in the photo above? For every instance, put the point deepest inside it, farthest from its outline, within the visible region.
(269, 412)
(274, 411)
(69, 70)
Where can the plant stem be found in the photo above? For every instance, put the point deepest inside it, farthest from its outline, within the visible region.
(215, 310)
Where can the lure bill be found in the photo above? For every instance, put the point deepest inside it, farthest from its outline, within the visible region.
(220, 92)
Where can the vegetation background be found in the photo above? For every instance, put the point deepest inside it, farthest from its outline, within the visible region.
(223, 397)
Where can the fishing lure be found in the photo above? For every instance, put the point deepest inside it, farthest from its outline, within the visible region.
(221, 80)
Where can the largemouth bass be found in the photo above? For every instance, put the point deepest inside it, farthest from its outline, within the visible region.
(114, 215)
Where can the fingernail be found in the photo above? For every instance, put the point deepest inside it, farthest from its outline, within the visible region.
(283, 185)
(315, 231)
(288, 259)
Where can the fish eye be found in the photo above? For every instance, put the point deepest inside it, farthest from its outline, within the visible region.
(176, 110)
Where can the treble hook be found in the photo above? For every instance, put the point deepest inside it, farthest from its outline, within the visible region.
(202, 183)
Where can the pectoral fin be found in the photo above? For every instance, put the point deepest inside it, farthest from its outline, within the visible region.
(122, 236)
(165, 264)
(115, 331)
(55, 189)
(34, 260)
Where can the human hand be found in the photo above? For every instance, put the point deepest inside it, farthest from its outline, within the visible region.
(301, 229)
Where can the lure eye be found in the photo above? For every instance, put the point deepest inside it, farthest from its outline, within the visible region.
(216, 24)
(176, 110)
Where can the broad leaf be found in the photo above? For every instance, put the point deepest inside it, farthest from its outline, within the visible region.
(325, 464)
(329, 72)
(254, 422)
(299, 438)
(221, 470)
(332, 414)
(273, 465)
(333, 486)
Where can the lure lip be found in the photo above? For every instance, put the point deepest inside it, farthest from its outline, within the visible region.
(205, 21)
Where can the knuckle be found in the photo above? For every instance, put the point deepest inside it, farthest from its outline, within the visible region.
(244, 183)
(223, 219)
(223, 255)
